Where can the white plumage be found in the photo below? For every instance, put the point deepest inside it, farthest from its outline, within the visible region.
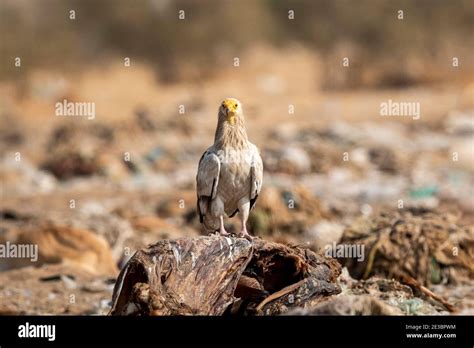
(230, 172)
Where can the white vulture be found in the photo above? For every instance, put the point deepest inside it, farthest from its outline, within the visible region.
(230, 172)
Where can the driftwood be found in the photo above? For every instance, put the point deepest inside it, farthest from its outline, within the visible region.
(222, 276)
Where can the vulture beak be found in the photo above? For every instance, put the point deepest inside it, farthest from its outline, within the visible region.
(230, 110)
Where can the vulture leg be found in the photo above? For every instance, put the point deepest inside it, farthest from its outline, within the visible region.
(244, 209)
(222, 230)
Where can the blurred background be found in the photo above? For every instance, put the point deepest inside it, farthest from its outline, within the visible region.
(126, 178)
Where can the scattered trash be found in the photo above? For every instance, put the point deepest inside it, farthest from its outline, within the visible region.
(423, 192)
(24, 178)
(131, 174)
(426, 245)
(71, 164)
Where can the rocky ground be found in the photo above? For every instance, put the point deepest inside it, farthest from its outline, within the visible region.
(91, 193)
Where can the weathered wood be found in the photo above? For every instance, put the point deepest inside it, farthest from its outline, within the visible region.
(218, 275)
